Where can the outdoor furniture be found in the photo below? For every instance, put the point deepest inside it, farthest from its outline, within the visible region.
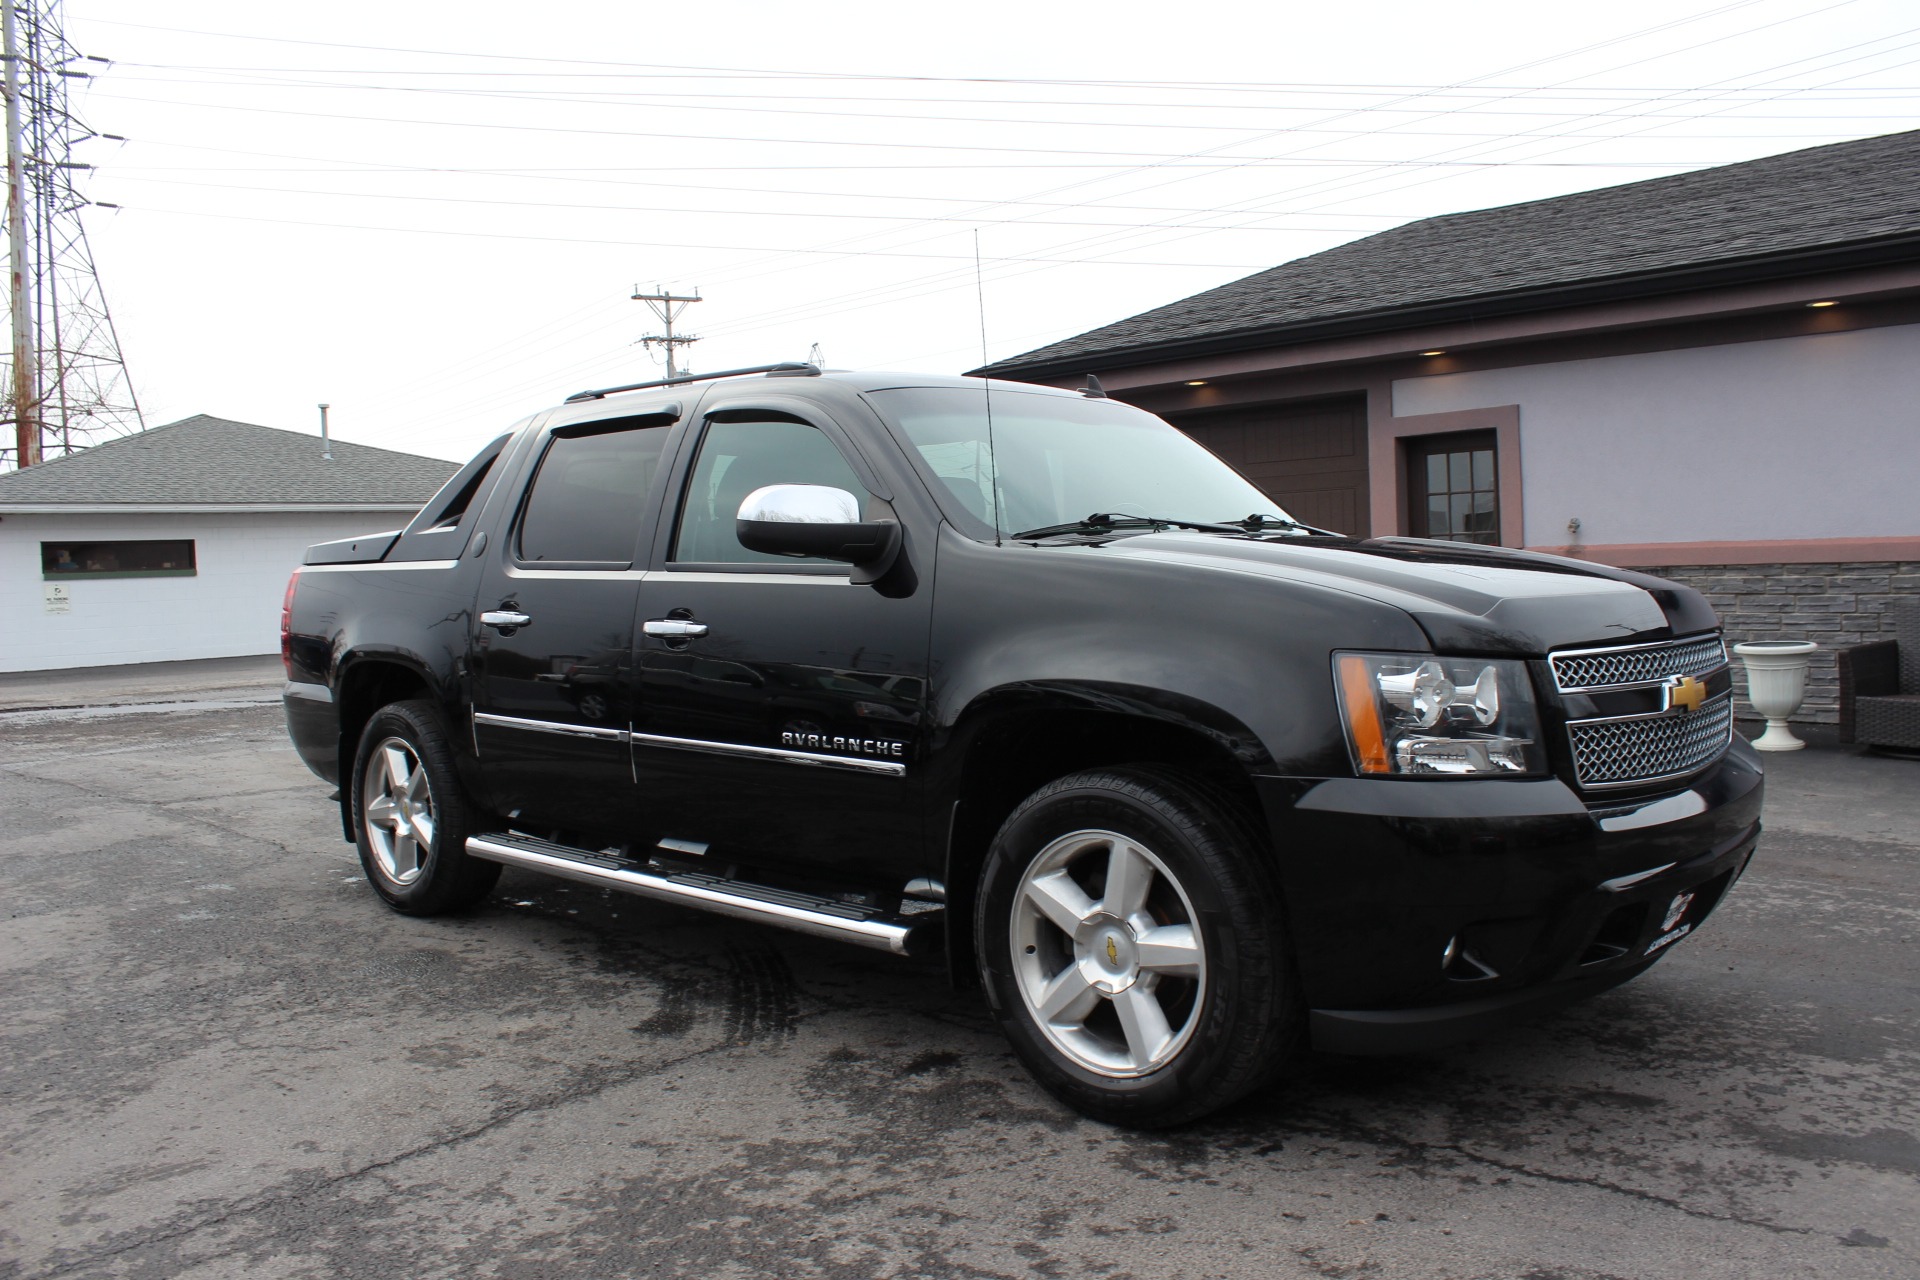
(1880, 686)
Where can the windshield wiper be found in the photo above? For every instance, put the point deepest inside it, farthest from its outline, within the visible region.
(1258, 523)
(1107, 522)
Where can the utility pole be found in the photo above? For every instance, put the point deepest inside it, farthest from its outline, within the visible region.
(668, 306)
(26, 362)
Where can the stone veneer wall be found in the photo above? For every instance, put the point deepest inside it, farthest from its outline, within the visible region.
(1835, 605)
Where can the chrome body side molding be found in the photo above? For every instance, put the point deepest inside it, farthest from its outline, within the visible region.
(786, 755)
(550, 726)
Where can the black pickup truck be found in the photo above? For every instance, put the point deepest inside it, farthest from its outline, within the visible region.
(1024, 678)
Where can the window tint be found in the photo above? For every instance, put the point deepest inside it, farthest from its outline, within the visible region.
(589, 495)
(450, 504)
(735, 459)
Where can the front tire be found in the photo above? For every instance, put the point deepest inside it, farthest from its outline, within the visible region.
(412, 817)
(1131, 945)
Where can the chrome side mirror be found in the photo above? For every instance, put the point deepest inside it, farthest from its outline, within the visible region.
(800, 504)
(817, 520)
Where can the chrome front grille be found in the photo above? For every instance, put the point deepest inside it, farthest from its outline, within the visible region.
(1637, 664)
(1626, 750)
(1632, 749)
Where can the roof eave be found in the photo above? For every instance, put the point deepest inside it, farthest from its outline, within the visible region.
(1883, 251)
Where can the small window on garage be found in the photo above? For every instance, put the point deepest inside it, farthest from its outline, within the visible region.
(1455, 487)
(146, 558)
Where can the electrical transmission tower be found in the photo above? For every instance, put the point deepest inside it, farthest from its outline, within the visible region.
(66, 384)
(668, 306)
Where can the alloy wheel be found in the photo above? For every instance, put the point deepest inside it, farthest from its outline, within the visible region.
(397, 810)
(1108, 953)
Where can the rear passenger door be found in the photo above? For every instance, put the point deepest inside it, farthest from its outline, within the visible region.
(782, 705)
(551, 647)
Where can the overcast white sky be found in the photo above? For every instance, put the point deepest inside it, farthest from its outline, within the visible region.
(432, 215)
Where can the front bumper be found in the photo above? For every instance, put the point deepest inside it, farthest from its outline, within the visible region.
(1543, 898)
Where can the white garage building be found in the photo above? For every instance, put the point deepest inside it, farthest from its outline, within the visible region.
(177, 542)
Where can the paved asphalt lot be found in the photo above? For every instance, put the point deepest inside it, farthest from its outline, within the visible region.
(224, 1058)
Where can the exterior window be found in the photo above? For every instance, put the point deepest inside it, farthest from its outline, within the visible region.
(588, 498)
(1456, 492)
(154, 558)
(735, 459)
(464, 485)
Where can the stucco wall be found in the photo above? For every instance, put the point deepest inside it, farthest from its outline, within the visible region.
(230, 608)
(1803, 437)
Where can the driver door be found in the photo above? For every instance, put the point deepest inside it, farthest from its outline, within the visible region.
(781, 706)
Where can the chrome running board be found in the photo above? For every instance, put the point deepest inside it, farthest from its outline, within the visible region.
(803, 912)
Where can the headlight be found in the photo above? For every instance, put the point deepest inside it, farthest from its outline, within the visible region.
(1427, 716)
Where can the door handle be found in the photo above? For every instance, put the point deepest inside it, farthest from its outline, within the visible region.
(505, 619)
(674, 628)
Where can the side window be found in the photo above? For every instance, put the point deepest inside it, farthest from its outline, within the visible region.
(589, 495)
(735, 459)
(449, 516)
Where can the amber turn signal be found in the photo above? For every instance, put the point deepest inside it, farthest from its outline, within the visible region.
(1363, 715)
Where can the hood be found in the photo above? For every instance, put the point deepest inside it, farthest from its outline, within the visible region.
(1467, 598)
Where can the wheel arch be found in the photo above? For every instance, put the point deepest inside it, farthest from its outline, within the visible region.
(367, 682)
(1016, 739)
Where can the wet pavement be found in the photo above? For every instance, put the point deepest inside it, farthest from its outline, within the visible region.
(224, 1058)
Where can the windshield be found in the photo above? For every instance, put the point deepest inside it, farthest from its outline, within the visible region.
(1054, 460)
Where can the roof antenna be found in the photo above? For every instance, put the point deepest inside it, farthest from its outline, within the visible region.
(1093, 390)
(986, 388)
(326, 442)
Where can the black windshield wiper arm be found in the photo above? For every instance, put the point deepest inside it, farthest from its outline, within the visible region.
(1106, 522)
(1257, 522)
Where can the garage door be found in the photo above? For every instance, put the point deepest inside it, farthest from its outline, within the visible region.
(1311, 458)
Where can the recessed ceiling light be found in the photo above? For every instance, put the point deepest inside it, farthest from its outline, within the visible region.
(1828, 303)
(1433, 353)
(1198, 382)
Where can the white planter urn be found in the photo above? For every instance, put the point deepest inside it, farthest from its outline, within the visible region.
(1776, 685)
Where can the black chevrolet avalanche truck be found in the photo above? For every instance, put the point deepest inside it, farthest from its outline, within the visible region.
(1026, 679)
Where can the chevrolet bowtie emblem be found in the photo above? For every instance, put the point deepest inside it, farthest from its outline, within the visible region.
(1113, 952)
(1686, 693)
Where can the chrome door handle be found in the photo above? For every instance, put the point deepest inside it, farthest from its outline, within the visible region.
(674, 628)
(506, 619)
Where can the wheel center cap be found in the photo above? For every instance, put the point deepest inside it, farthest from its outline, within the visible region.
(1108, 953)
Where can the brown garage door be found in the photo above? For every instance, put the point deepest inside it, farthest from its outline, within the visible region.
(1311, 458)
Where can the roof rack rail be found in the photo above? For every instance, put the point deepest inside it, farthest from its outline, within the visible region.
(790, 369)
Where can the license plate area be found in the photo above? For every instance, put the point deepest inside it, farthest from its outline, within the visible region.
(1641, 929)
(1684, 911)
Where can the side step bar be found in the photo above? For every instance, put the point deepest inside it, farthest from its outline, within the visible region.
(804, 912)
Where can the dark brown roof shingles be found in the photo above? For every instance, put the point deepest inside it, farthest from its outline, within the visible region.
(1818, 197)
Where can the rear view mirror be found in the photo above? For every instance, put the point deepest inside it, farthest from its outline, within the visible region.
(816, 520)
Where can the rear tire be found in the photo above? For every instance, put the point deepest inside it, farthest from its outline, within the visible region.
(412, 817)
(1131, 943)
